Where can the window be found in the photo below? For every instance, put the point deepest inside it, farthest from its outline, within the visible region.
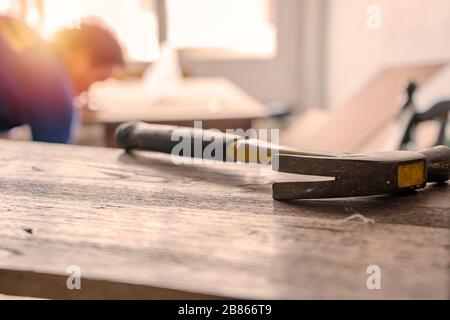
(200, 28)
(134, 21)
(6, 6)
(236, 27)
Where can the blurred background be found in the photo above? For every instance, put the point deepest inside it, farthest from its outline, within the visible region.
(344, 75)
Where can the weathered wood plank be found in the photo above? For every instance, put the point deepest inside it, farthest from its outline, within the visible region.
(162, 230)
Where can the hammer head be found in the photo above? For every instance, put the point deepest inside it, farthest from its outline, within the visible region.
(354, 176)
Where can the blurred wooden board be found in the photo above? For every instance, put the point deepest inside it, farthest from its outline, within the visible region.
(359, 122)
(194, 99)
(217, 102)
(141, 227)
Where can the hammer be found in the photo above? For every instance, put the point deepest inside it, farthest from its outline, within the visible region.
(351, 175)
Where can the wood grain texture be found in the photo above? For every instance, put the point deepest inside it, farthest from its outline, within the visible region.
(140, 227)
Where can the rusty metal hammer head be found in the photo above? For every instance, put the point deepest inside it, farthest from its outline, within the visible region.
(361, 175)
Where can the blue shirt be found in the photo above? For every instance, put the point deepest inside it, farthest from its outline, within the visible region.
(34, 87)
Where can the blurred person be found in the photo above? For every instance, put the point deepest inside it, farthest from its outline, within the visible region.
(39, 81)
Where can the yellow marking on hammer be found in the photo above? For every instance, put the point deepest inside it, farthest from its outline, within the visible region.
(246, 152)
(411, 175)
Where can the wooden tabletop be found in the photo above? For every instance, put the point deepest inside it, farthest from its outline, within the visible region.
(193, 99)
(139, 226)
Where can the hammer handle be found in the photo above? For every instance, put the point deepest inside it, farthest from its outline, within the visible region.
(164, 139)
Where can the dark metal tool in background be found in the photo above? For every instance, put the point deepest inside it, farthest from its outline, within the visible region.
(438, 112)
(350, 175)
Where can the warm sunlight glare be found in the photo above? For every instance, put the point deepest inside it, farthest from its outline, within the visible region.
(5, 6)
(135, 25)
(241, 26)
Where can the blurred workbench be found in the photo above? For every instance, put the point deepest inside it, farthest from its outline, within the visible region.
(217, 102)
(139, 226)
